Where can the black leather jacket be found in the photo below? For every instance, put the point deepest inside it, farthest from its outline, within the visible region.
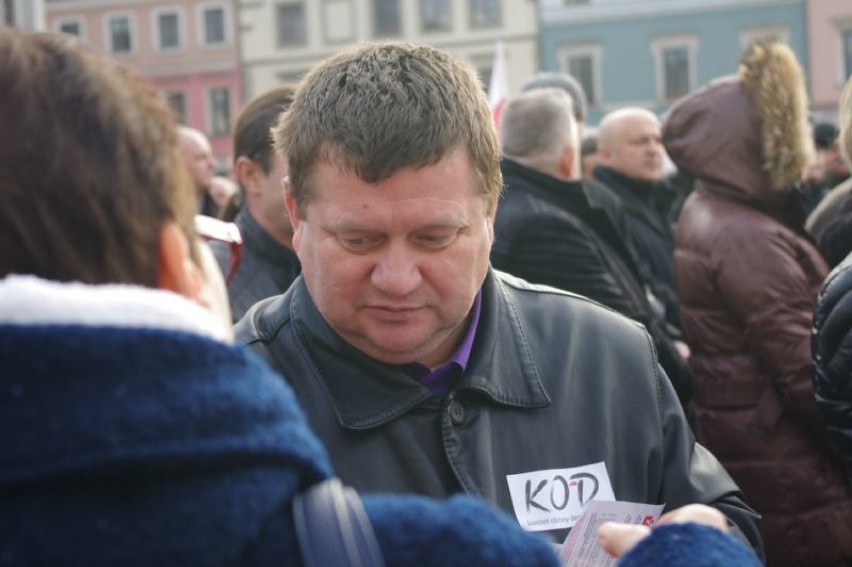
(548, 231)
(832, 357)
(554, 381)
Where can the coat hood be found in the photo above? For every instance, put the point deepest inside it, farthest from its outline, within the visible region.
(747, 132)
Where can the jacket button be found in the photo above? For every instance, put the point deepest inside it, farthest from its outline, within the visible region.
(457, 412)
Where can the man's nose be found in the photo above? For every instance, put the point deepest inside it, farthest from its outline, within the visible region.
(397, 271)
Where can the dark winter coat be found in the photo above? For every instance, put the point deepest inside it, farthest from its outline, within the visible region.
(747, 280)
(548, 232)
(832, 357)
(264, 267)
(648, 209)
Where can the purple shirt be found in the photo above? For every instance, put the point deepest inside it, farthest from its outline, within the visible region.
(445, 377)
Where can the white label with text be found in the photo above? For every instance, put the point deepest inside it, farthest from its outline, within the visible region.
(554, 499)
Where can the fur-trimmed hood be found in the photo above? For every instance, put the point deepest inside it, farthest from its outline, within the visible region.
(747, 132)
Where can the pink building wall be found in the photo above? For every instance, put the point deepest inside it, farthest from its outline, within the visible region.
(192, 68)
(826, 20)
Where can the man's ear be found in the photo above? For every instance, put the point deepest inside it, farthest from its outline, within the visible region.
(567, 162)
(177, 272)
(246, 173)
(292, 209)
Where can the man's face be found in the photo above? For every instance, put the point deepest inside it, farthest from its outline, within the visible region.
(636, 148)
(394, 266)
(199, 160)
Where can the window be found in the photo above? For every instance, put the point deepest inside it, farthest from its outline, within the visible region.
(70, 27)
(291, 25)
(214, 30)
(435, 15)
(167, 30)
(583, 62)
(177, 103)
(581, 67)
(675, 66)
(120, 34)
(485, 13)
(387, 19)
(219, 99)
(675, 72)
(846, 41)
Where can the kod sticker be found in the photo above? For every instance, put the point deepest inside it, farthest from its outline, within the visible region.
(555, 499)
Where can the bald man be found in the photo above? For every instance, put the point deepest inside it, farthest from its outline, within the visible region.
(631, 156)
(198, 156)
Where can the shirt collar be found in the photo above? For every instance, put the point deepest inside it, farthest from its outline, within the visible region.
(447, 375)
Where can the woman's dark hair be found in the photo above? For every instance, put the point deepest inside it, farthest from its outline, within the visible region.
(89, 166)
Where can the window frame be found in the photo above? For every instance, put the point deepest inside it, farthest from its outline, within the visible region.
(595, 52)
(658, 48)
(303, 40)
(373, 20)
(182, 92)
(131, 32)
(227, 33)
(209, 111)
(448, 27)
(156, 31)
(489, 24)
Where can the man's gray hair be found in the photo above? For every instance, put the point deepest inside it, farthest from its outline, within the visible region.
(377, 108)
(537, 126)
(562, 81)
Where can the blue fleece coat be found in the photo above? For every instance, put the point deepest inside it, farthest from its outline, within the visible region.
(134, 446)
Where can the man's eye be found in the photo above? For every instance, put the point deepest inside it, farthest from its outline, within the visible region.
(436, 240)
(359, 243)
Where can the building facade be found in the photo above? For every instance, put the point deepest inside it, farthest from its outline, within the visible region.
(650, 52)
(187, 48)
(24, 14)
(829, 53)
(282, 39)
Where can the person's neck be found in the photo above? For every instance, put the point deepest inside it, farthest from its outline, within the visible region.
(283, 235)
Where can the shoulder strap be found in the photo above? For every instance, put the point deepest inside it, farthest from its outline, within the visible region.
(333, 527)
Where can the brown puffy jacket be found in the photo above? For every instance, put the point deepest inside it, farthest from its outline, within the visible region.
(747, 281)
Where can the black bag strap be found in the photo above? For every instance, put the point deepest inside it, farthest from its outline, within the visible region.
(333, 527)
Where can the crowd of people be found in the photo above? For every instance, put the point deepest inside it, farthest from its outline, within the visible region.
(480, 329)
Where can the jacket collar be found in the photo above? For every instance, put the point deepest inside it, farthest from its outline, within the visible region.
(645, 199)
(260, 241)
(565, 194)
(367, 393)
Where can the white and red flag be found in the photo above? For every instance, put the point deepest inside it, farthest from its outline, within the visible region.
(498, 87)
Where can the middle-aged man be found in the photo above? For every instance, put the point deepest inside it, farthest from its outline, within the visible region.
(266, 264)
(630, 163)
(198, 157)
(420, 367)
(548, 231)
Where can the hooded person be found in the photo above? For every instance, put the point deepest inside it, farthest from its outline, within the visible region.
(747, 281)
